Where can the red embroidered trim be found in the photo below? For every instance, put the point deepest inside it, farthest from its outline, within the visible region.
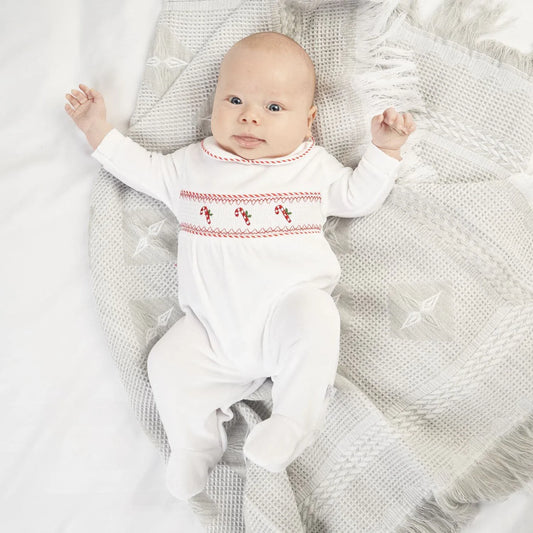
(251, 198)
(257, 161)
(270, 232)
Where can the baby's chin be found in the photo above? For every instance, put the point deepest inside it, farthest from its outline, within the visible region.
(252, 154)
(253, 150)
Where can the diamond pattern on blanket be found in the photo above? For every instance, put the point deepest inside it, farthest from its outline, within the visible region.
(168, 59)
(152, 317)
(150, 236)
(422, 311)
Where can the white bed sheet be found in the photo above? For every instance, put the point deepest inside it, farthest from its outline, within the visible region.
(73, 457)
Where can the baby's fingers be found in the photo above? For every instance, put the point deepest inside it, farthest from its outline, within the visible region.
(73, 101)
(391, 115)
(409, 123)
(377, 120)
(88, 91)
(92, 94)
(80, 97)
(394, 120)
(70, 110)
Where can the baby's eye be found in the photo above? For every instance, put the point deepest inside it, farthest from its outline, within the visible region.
(274, 107)
(235, 100)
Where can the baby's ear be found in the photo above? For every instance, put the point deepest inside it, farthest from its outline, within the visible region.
(311, 115)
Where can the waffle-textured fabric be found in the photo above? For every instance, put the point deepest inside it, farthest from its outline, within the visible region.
(433, 411)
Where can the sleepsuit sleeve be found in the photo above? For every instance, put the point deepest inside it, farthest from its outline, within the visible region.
(355, 193)
(148, 172)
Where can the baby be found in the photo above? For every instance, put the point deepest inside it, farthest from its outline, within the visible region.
(255, 270)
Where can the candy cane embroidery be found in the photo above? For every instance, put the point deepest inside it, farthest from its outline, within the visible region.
(205, 211)
(284, 211)
(245, 215)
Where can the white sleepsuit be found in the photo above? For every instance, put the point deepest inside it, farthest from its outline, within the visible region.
(255, 279)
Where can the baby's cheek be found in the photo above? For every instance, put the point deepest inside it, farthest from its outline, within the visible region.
(216, 122)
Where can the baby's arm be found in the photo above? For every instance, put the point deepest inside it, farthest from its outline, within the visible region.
(359, 192)
(151, 173)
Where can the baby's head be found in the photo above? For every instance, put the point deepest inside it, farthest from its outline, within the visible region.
(263, 104)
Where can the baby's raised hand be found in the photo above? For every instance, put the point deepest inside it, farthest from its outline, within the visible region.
(87, 108)
(391, 129)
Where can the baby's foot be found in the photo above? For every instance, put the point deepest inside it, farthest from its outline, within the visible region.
(186, 474)
(275, 443)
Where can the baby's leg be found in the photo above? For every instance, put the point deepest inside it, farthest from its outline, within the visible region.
(193, 393)
(303, 338)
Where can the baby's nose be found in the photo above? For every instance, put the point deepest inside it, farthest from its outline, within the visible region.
(249, 116)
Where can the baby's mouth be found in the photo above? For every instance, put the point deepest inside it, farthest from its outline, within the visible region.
(248, 141)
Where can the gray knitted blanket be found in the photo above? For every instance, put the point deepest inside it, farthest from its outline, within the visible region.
(434, 405)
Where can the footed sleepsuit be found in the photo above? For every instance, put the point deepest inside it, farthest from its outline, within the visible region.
(255, 281)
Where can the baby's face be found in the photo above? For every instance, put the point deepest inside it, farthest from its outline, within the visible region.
(263, 103)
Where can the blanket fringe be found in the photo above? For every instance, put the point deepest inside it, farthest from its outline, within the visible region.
(385, 75)
(497, 473)
(465, 22)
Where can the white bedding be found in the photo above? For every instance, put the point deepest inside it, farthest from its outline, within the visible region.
(73, 456)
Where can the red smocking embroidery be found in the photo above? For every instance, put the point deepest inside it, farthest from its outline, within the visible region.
(257, 161)
(251, 198)
(241, 215)
(246, 234)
